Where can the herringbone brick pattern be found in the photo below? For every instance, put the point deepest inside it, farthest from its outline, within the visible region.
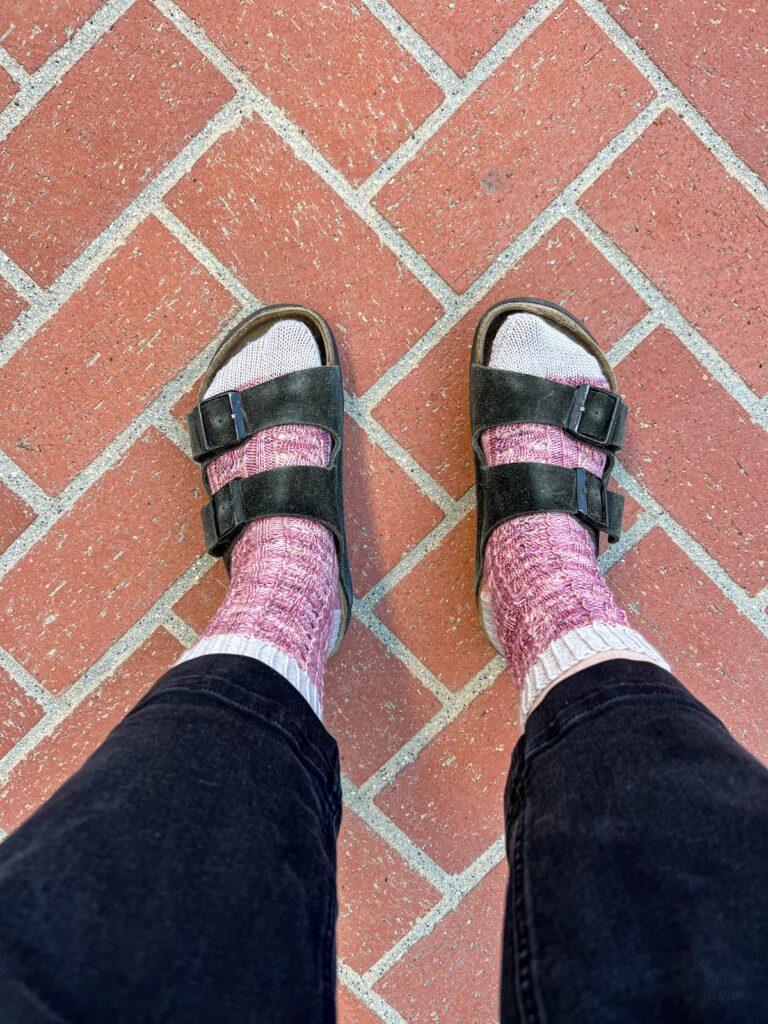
(398, 164)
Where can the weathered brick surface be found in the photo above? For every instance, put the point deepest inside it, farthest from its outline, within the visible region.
(32, 30)
(18, 712)
(453, 973)
(433, 610)
(373, 703)
(461, 33)
(449, 801)
(713, 478)
(714, 52)
(8, 88)
(95, 365)
(499, 160)
(99, 137)
(11, 305)
(94, 529)
(697, 233)
(63, 750)
(333, 67)
(15, 516)
(291, 238)
(710, 645)
(380, 897)
(104, 563)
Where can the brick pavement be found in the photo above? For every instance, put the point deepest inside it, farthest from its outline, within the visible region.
(166, 165)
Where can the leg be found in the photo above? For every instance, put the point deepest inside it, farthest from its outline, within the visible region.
(637, 834)
(187, 871)
(637, 829)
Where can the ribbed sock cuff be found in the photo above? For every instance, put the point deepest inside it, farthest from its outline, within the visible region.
(267, 654)
(580, 644)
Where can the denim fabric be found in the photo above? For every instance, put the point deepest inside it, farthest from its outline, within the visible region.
(637, 834)
(187, 872)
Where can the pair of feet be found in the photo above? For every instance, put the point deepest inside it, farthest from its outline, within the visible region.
(543, 601)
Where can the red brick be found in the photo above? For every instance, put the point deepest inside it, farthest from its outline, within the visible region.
(99, 137)
(106, 354)
(198, 606)
(516, 142)
(103, 564)
(31, 30)
(700, 237)
(428, 411)
(373, 703)
(11, 305)
(380, 896)
(714, 52)
(333, 67)
(295, 240)
(62, 752)
(461, 33)
(15, 516)
(8, 87)
(18, 712)
(351, 1011)
(433, 610)
(712, 648)
(387, 514)
(453, 973)
(699, 454)
(449, 800)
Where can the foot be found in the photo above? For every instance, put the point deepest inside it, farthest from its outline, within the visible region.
(282, 606)
(543, 600)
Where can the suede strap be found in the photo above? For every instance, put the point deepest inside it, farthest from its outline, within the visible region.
(593, 415)
(311, 397)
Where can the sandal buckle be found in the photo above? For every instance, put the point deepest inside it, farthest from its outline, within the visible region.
(235, 414)
(579, 407)
(582, 502)
(228, 514)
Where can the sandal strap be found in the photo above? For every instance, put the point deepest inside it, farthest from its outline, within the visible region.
(592, 415)
(521, 488)
(311, 397)
(306, 492)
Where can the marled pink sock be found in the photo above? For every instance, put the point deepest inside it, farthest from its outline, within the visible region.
(282, 606)
(544, 601)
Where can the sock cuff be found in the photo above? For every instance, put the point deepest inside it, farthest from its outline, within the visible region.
(267, 654)
(578, 645)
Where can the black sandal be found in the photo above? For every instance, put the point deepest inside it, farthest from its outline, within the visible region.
(592, 415)
(314, 397)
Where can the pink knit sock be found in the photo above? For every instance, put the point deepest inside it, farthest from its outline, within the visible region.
(544, 602)
(282, 606)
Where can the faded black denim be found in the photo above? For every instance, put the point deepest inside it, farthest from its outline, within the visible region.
(187, 873)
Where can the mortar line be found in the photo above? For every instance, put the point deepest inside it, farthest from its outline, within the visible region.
(150, 416)
(455, 705)
(677, 100)
(556, 211)
(670, 315)
(456, 94)
(465, 882)
(19, 74)
(695, 551)
(105, 244)
(401, 30)
(105, 665)
(40, 82)
(27, 682)
(374, 1002)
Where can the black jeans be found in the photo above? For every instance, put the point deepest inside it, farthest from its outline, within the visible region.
(187, 872)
